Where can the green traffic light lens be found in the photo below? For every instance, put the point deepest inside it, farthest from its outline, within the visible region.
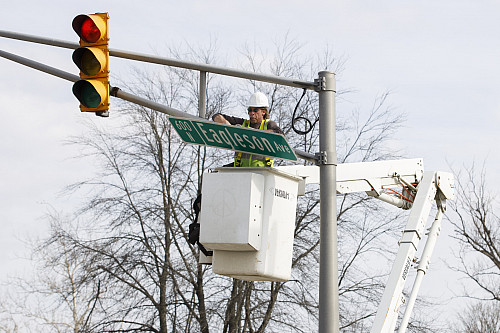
(86, 94)
(90, 97)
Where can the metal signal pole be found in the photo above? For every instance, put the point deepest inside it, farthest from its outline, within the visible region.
(327, 159)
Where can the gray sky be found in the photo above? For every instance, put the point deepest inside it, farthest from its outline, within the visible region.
(439, 60)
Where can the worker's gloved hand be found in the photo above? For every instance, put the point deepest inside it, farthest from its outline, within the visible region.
(197, 206)
(194, 233)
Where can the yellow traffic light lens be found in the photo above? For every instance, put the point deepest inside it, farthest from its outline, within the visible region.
(90, 32)
(89, 63)
(91, 60)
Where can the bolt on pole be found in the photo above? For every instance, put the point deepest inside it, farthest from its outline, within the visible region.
(328, 270)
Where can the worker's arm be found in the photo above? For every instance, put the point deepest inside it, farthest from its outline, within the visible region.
(219, 118)
(226, 119)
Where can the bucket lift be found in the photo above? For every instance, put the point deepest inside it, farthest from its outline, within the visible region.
(256, 242)
(419, 190)
(247, 218)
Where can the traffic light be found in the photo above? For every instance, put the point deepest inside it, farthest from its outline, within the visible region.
(92, 58)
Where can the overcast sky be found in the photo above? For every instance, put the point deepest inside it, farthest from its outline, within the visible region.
(439, 60)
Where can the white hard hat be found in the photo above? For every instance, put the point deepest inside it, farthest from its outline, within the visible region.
(258, 100)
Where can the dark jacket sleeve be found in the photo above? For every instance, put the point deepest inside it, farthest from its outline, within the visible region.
(271, 125)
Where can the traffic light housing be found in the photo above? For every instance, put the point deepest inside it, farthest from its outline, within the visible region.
(92, 58)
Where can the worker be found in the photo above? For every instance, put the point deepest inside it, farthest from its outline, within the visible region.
(258, 114)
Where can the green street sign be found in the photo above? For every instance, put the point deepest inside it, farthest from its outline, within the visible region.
(237, 138)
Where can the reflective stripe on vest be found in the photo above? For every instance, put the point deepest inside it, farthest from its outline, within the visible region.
(252, 160)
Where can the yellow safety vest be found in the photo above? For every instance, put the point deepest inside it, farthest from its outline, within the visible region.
(249, 160)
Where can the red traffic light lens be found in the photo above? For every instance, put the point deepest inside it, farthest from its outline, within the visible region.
(89, 31)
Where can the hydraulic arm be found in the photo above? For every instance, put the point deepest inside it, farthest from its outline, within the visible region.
(419, 190)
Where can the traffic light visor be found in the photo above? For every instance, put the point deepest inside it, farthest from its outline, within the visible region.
(90, 28)
(90, 93)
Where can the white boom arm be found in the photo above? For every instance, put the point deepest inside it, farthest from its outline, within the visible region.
(435, 186)
(369, 177)
(373, 178)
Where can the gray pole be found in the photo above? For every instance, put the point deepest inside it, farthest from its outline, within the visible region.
(40, 66)
(168, 61)
(328, 266)
(202, 101)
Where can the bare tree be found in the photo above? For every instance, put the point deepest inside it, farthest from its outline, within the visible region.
(134, 225)
(61, 297)
(481, 317)
(477, 229)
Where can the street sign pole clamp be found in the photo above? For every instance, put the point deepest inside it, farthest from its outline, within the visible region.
(322, 158)
(114, 91)
(322, 85)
